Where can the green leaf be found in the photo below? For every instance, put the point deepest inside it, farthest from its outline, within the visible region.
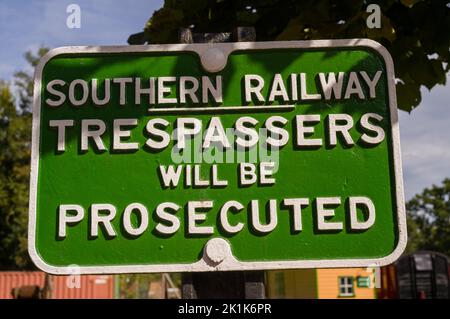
(386, 31)
(410, 29)
(408, 96)
(246, 17)
(409, 3)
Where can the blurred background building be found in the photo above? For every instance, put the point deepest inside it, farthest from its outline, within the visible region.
(420, 275)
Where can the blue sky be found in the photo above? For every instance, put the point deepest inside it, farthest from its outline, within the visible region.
(26, 25)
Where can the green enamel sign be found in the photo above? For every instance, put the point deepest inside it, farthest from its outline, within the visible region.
(200, 157)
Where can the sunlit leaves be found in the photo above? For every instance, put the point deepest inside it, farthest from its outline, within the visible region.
(15, 135)
(15, 145)
(429, 219)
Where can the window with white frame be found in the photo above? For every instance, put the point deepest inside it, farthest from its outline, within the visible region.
(346, 288)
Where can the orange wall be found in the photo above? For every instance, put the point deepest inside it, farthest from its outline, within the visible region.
(91, 286)
(328, 283)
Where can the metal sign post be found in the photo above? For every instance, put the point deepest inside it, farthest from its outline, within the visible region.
(238, 284)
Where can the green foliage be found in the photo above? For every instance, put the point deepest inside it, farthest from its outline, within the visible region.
(15, 136)
(15, 151)
(24, 80)
(416, 32)
(429, 219)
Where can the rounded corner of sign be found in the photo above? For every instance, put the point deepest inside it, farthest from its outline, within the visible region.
(49, 55)
(396, 253)
(45, 59)
(402, 234)
(40, 263)
(378, 48)
(369, 43)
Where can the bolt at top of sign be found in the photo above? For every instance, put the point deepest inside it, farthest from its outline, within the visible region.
(213, 60)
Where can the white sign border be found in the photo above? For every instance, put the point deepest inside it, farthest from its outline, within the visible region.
(229, 263)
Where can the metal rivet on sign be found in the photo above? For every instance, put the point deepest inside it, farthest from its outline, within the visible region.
(217, 249)
(213, 60)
